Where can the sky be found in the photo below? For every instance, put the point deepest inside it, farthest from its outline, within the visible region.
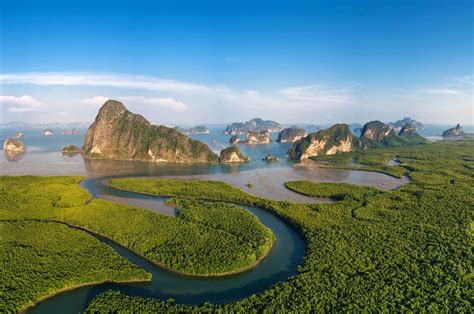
(194, 62)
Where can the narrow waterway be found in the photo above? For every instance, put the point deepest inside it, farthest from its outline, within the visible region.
(281, 263)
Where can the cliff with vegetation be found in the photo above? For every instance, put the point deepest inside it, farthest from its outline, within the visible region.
(378, 134)
(336, 139)
(339, 139)
(119, 134)
(232, 154)
(290, 135)
(455, 132)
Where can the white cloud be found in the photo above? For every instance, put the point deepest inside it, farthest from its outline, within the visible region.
(169, 103)
(465, 80)
(103, 80)
(318, 94)
(23, 103)
(440, 91)
(97, 100)
(251, 91)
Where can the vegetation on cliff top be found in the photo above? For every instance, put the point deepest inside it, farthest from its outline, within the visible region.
(120, 134)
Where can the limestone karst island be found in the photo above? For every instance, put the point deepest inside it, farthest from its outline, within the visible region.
(236, 156)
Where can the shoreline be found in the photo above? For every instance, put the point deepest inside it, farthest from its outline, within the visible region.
(231, 272)
(73, 287)
(96, 235)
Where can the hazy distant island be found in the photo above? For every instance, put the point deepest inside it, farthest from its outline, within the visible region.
(71, 131)
(54, 125)
(47, 132)
(200, 129)
(119, 134)
(399, 124)
(254, 125)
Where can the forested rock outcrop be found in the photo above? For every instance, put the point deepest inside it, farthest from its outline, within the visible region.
(337, 138)
(290, 135)
(379, 134)
(119, 134)
(14, 146)
(455, 132)
(262, 137)
(232, 154)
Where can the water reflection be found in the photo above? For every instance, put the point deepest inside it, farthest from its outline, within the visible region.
(13, 156)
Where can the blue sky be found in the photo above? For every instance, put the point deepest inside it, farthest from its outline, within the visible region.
(185, 62)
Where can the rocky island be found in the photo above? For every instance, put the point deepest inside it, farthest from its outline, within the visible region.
(270, 158)
(71, 150)
(232, 154)
(339, 139)
(234, 140)
(379, 134)
(119, 134)
(454, 133)
(12, 145)
(19, 135)
(262, 137)
(47, 132)
(254, 125)
(290, 135)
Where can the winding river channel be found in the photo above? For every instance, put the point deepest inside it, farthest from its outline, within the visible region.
(282, 262)
(256, 177)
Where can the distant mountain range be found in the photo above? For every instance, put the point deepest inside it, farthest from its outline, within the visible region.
(54, 125)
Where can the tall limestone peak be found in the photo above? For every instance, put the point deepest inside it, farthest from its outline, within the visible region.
(119, 134)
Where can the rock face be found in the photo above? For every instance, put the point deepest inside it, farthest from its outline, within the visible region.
(455, 132)
(290, 135)
(263, 137)
(378, 134)
(375, 131)
(234, 140)
(254, 125)
(337, 138)
(19, 135)
(119, 134)
(407, 130)
(47, 132)
(398, 125)
(232, 154)
(14, 146)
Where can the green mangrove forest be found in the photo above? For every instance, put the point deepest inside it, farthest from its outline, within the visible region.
(408, 249)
